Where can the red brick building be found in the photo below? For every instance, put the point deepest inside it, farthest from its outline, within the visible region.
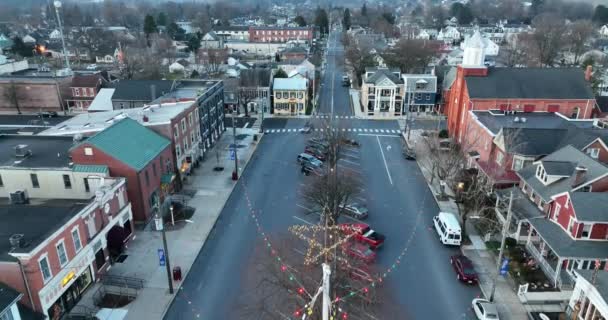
(35, 91)
(514, 90)
(59, 247)
(84, 89)
(280, 34)
(137, 153)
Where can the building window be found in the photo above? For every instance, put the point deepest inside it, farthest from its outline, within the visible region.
(87, 188)
(88, 151)
(183, 125)
(593, 152)
(278, 94)
(570, 225)
(77, 92)
(499, 157)
(186, 144)
(67, 183)
(192, 137)
(556, 211)
(586, 188)
(586, 231)
(45, 269)
(76, 239)
(292, 95)
(300, 95)
(176, 131)
(154, 168)
(575, 113)
(1, 182)
(63, 257)
(178, 151)
(34, 178)
(147, 178)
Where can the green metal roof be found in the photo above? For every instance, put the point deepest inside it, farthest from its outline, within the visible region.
(90, 168)
(5, 42)
(129, 142)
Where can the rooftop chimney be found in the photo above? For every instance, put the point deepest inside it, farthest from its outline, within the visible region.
(588, 73)
(152, 92)
(579, 175)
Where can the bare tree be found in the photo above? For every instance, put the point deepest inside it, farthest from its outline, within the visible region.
(12, 94)
(579, 33)
(512, 54)
(411, 55)
(358, 56)
(246, 96)
(547, 39)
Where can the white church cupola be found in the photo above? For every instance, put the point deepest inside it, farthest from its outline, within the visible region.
(474, 56)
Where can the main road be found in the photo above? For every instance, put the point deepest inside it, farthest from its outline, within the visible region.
(401, 206)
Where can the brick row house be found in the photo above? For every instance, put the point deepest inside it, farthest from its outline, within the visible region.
(559, 213)
(84, 89)
(35, 90)
(64, 222)
(144, 158)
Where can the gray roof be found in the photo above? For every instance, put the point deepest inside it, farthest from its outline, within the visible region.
(532, 141)
(140, 90)
(566, 247)
(600, 283)
(565, 154)
(380, 74)
(590, 206)
(449, 78)
(256, 77)
(36, 221)
(530, 83)
(412, 79)
(8, 297)
(494, 120)
(230, 28)
(46, 151)
(522, 207)
(558, 168)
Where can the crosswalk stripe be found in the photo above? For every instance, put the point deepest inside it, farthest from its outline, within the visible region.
(376, 130)
(382, 130)
(283, 130)
(267, 131)
(349, 129)
(343, 129)
(321, 129)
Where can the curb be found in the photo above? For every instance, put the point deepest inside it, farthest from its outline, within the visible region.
(185, 275)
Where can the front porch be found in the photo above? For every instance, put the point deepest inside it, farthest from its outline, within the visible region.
(522, 210)
(499, 176)
(559, 256)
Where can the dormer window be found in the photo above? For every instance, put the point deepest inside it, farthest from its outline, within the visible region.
(421, 84)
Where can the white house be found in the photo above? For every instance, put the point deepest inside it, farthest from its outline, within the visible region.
(449, 34)
(290, 96)
(28, 39)
(604, 31)
(176, 67)
(55, 35)
(9, 309)
(490, 47)
(588, 299)
(186, 26)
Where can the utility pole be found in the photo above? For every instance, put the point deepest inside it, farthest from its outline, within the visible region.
(57, 5)
(160, 226)
(505, 229)
(326, 298)
(235, 174)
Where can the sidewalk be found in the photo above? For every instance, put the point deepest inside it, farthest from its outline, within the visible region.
(210, 190)
(508, 304)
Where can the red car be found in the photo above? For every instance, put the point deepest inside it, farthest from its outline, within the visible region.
(363, 233)
(464, 269)
(359, 251)
(315, 153)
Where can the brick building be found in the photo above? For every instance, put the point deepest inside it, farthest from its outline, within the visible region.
(35, 91)
(280, 34)
(514, 90)
(63, 223)
(140, 155)
(176, 121)
(84, 88)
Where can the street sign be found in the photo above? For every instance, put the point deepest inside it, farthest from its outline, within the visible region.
(504, 266)
(161, 257)
(232, 154)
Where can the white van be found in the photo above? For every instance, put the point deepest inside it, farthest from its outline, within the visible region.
(447, 228)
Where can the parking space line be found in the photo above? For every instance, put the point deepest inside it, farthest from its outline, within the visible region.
(354, 156)
(379, 135)
(303, 207)
(384, 159)
(348, 161)
(305, 221)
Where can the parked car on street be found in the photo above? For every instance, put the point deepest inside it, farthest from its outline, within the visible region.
(355, 210)
(484, 309)
(307, 170)
(464, 269)
(409, 153)
(359, 251)
(350, 142)
(305, 158)
(345, 81)
(363, 233)
(47, 114)
(315, 153)
(318, 142)
(307, 128)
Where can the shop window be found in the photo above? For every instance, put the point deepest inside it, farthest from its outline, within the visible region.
(100, 259)
(34, 178)
(87, 188)
(45, 268)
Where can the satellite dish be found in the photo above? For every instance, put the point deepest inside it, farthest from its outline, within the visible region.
(57, 4)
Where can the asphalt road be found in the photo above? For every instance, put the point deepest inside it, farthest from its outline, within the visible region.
(401, 206)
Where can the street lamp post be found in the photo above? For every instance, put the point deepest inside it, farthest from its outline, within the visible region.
(235, 174)
(505, 229)
(160, 226)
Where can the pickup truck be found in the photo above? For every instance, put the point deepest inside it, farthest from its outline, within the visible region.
(363, 233)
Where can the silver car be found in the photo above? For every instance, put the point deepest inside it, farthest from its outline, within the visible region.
(355, 210)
